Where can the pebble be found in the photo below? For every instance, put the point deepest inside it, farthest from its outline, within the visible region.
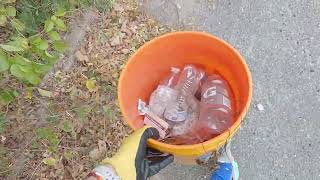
(3, 139)
(260, 107)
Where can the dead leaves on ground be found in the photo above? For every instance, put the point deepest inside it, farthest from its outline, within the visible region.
(81, 107)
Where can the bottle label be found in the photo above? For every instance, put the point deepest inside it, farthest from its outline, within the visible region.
(211, 96)
(226, 102)
(212, 91)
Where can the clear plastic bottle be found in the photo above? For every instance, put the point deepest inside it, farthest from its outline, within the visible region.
(189, 80)
(164, 94)
(172, 79)
(215, 108)
(187, 85)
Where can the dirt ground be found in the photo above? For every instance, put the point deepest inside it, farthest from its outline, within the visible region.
(69, 124)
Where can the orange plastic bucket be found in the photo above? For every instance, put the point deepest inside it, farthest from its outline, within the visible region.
(152, 62)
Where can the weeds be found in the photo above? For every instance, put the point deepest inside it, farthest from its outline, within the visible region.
(29, 56)
(2, 123)
(34, 44)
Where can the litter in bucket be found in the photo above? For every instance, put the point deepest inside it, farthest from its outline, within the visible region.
(153, 62)
(179, 116)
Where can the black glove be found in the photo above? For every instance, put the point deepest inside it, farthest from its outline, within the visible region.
(135, 159)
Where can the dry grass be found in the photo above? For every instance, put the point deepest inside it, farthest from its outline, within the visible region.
(78, 128)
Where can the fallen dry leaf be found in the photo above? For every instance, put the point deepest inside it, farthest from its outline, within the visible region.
(45, 93)
(94, 154)
(125, 51)
(80, 57)
(115, 41)
(102, 147)
(91, 85)
(102, 55)
(118, 7)
(50, 161)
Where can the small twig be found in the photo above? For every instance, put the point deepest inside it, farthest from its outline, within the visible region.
(75, 140)
(60, 140)
(31, 150)
(70, 115)
(7, 110)
(75, 162)
(64, 147)
(35, 170)
(84, 76)
(104, 127)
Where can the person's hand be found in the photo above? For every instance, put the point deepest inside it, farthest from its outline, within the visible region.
(135, 160)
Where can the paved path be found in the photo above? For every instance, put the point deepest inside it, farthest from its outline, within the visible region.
(280, 40)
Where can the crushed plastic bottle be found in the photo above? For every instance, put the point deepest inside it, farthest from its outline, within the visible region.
(215, 108)
(180, 128)
(160, 98)
(164, 94)
(187, 85)
(182, 132)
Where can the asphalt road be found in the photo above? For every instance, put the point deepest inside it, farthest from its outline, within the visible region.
(280, 40)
